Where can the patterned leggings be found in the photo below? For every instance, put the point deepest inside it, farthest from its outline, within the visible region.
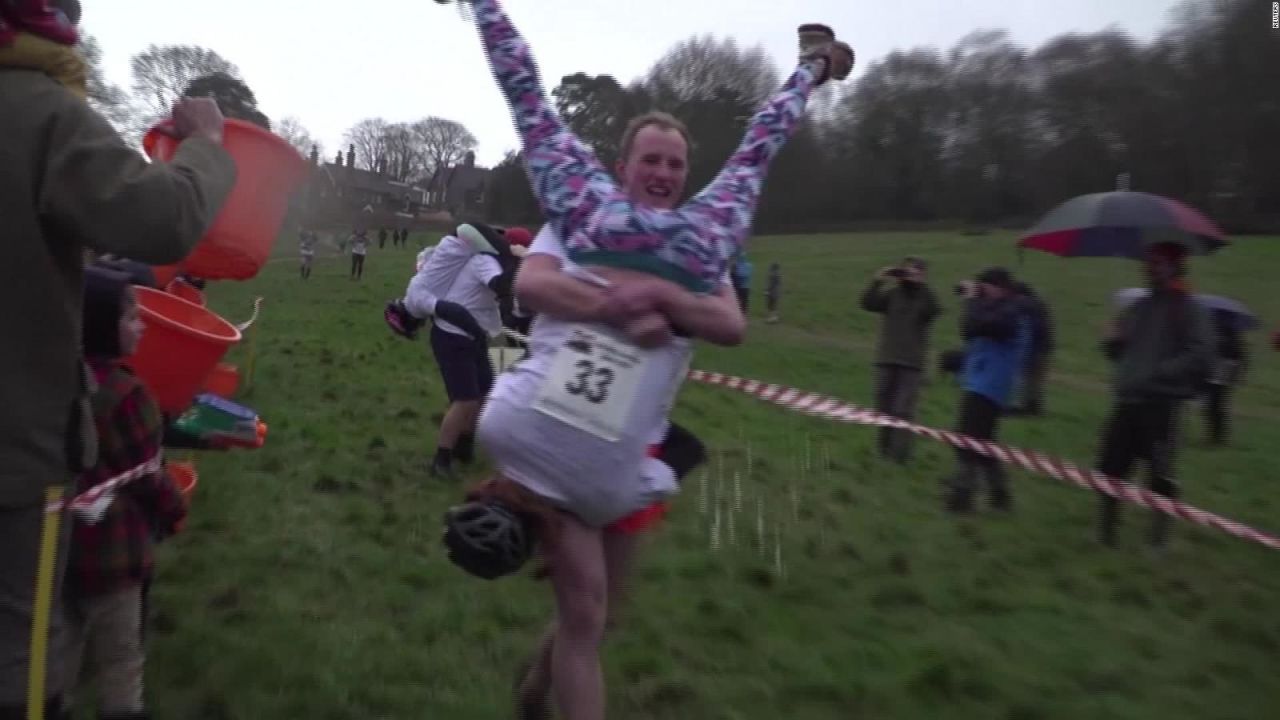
(583, 203)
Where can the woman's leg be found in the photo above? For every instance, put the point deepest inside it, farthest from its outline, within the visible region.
(580, 581)
(725, 208)
(570, 183)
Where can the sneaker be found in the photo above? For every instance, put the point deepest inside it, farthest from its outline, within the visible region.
(959, 502)
(1001, 500)
(819, 41)
(529, 705)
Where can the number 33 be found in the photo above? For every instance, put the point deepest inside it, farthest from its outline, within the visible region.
(594, 394)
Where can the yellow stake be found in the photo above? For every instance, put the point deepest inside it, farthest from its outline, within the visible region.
(43, 607)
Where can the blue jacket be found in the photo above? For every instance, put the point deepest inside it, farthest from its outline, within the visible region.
(998, 341)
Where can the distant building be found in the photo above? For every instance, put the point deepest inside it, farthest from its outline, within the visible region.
(338, 189)
(460, 189)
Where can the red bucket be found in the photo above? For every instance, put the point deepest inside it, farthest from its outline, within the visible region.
(223, 381)
(185, 477)
(268, 169)
(185, 290)
(180, 347)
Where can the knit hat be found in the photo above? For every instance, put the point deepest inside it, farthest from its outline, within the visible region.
(54, 21)
(104, 300)
(518, 236)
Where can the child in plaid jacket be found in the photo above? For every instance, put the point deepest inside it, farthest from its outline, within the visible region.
(111, 560)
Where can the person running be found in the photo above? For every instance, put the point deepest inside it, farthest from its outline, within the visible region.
(691, 245)
(676, 449)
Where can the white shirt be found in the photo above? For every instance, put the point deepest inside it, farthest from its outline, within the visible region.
(470, 289)
(597, 479)
(359, 245)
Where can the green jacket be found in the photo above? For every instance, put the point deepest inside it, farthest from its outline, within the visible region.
(67, 182)
(908, 311)
(1164, 349)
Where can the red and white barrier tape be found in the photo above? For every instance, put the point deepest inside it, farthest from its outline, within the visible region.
(86, 499)
(835, 409)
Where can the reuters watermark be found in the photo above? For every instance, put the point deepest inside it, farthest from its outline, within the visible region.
(1275, 16)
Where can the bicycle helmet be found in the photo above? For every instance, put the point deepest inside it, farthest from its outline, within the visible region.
(487, 539)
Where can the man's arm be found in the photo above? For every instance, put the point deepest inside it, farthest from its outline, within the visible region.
(1197, 355)
(931, 309)
(101, 192)
(875, 299)
(996, 319)
(543, 287)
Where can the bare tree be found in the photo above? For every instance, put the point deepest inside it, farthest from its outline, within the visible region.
(107, 98)
(369, 136)
(162, 73)
(291, 129)
(443, 142)
(405, 155)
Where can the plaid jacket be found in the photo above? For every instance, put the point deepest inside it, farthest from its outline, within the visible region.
(116, 552)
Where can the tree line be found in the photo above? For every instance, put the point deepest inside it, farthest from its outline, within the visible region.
(987, 132)
(408, 152)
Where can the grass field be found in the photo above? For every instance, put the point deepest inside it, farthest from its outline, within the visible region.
(310, 582)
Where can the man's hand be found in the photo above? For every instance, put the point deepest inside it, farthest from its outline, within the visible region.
(648, 331)
(198, 117)
(887, 273)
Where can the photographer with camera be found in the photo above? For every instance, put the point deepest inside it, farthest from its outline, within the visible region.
(909, 307)
(996, 328)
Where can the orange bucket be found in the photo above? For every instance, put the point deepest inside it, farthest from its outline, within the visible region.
(186, 291)
(165, 274)
(223, 381)
(181, 345)
(268, 171)
(185, 477)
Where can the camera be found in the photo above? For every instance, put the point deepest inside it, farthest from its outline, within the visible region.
(897, 273)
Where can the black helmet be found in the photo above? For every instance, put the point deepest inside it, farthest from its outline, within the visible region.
(487, 539)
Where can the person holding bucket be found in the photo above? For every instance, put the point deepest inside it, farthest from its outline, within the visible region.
(111, 559)
(68, 182)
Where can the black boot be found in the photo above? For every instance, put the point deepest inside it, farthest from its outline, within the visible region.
(465, 449)
(1108, 519)
(1161, 523)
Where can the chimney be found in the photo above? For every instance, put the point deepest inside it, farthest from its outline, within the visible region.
(351, 155)
(315, 155)
(469, 159)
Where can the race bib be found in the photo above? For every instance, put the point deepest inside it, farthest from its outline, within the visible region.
(592, 383)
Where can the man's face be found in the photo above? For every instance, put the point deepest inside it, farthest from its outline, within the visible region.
(914, 273)
(1161, 269)
(655, 172)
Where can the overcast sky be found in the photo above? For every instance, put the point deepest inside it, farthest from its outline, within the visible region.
(331, 62)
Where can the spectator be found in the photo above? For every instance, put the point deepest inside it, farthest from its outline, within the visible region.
(997, 333)
(382, 238)
(68, 182)
(307, 251)
(1162, 346)
(111, 559)
(773, 292)
(742, 270)
(1036, 369)
(359, 249)
(909, 307)
(1229, 363)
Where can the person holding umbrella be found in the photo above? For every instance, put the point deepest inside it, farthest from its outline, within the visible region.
(1161, 344)
(1162, 348)
(1230, 320)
